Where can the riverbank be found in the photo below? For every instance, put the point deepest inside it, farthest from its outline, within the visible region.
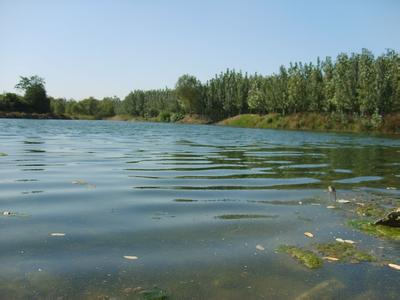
(390, 124)
(24, 115)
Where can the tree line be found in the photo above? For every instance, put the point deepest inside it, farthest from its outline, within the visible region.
(358, 84)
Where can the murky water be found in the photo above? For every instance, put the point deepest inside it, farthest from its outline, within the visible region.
(191, 203)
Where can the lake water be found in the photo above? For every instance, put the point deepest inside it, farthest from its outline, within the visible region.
(191, 203)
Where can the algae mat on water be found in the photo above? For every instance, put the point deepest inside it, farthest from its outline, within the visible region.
(387, 232)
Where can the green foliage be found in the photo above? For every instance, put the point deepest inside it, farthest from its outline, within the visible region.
(164, 116)
(11, 102)
(35, 96)
(352, 86)
(189, 92)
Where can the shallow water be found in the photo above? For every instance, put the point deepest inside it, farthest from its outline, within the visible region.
(191, 202)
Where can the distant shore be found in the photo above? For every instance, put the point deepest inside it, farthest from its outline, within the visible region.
(25, 115)
(389, 124)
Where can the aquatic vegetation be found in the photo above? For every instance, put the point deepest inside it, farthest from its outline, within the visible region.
(185, 200)
(154, 293)
(244, 216)
(327, 289)
(370, 210)
(392, 233)
(345, 252)
(306, 257)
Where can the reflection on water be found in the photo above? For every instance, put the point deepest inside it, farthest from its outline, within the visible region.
(191, 202)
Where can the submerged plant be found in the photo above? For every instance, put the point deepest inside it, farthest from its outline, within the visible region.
(392, 233)
(154, 293)
(370, 210)
(344, 252)
(306, 257)
(244, 216)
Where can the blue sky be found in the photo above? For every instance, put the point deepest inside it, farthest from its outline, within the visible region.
(104, 48)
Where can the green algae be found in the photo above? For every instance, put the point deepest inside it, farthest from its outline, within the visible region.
(370, 210)
(306, 257)
(392, 233)
(344, 252)
(244, 216)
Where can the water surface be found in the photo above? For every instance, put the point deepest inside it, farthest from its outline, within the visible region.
(191, 202)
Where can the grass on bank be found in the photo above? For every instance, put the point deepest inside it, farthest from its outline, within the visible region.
(318, 121)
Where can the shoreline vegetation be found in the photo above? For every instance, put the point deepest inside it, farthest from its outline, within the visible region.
(389, 124)
(355, 92)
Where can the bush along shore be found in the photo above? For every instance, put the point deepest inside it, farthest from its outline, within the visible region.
(355, 92)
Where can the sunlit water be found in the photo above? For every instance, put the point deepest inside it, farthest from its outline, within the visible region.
(166, 194)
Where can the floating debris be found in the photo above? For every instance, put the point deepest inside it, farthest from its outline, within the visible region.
(308, 234)
(7, 213)
(394, 266)
(344, 241)
(344, 201)
(260, 248)
(388, 188)
(57, 234)
(3, 154)
(349, 241)
(331, 258)
(331, 206)
(79, 181)
(130, 257)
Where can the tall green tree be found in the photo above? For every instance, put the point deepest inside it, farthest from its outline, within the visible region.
(189, 91)
(35, 93)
